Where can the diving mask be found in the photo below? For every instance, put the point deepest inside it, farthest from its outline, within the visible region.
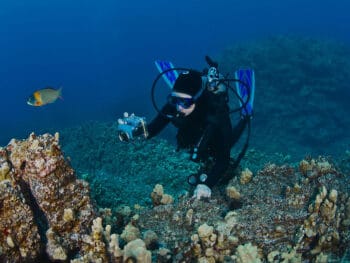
(185, 103)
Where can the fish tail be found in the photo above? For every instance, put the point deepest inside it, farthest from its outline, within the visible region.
(60, 93)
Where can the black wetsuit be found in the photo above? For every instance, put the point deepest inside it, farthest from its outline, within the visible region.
(208, 129)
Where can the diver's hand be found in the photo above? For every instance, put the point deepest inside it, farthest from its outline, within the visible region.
(201, 191)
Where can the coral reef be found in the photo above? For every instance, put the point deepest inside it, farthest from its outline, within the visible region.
(281, 214)
(20, 238)
(159, 197)
(278, 218)
(322, 224)
(246, 176)
(102, 246)
(41, 195)
(271, 210)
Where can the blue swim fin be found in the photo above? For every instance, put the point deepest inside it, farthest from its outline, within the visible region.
(170, 76)
(247, 76)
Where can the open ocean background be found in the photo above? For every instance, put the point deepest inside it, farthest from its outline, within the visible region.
(102, 52)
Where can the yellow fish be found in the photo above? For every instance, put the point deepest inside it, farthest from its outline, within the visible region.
(44, 96)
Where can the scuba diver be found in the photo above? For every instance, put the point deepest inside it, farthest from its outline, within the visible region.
(198, 107)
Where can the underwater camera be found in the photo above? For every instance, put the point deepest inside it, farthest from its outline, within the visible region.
(130, 126)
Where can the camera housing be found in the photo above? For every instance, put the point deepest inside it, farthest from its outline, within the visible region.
(131, 126)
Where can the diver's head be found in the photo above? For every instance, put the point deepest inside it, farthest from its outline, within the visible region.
(183, 102)
(187, 89)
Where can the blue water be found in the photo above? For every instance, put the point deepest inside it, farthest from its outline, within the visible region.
(102, 52)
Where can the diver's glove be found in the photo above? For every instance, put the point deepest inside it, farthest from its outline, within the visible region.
(201, 191)
(131, 126)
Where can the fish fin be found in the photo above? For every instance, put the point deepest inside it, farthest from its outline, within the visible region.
(38, 99)
(60, 92)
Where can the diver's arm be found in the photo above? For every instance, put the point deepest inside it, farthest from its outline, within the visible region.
(157, 125)
(153, 128)
(159, 122)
